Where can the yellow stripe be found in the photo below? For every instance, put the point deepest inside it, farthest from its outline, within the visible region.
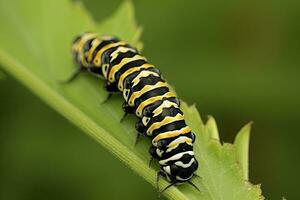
(78, 47)
(171, 134)
(136, 80)
(130, 71)
(175, 144)
(84, 38)
(82, 60)
(165, 104)
(145, 89)
(166, 120)
(95, 43)
(121, 49)
(97, 60)
(115, 68)
(152, 100)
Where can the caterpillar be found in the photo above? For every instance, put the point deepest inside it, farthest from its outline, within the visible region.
(147, 95)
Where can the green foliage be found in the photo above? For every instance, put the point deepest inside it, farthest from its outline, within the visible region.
(35, 49)
(1, 75)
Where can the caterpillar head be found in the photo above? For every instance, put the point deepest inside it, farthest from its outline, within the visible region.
(181, 170)
(80, 46)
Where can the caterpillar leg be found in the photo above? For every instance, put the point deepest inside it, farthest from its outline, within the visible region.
(138, 137)
(139, 126)
(74, 75)
(192, 184)
(150, 161)
(127, 109)
(153, 153)
(141, 129)
(197, 176)
(123, 117)
(158, 175)
(95, 71)
(110, 88)
(107, 98)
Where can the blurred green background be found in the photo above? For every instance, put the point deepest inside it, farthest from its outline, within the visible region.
(237, 60)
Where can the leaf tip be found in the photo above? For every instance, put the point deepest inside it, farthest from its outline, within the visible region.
(241, 143)
(212, 128)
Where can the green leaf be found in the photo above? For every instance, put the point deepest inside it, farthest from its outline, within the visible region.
(212, 128)
(35, 44)
(118, 25)
(221, 174)
(2, 76)
(241, 144)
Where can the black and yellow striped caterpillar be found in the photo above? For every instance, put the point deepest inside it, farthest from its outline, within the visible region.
(147, 95)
